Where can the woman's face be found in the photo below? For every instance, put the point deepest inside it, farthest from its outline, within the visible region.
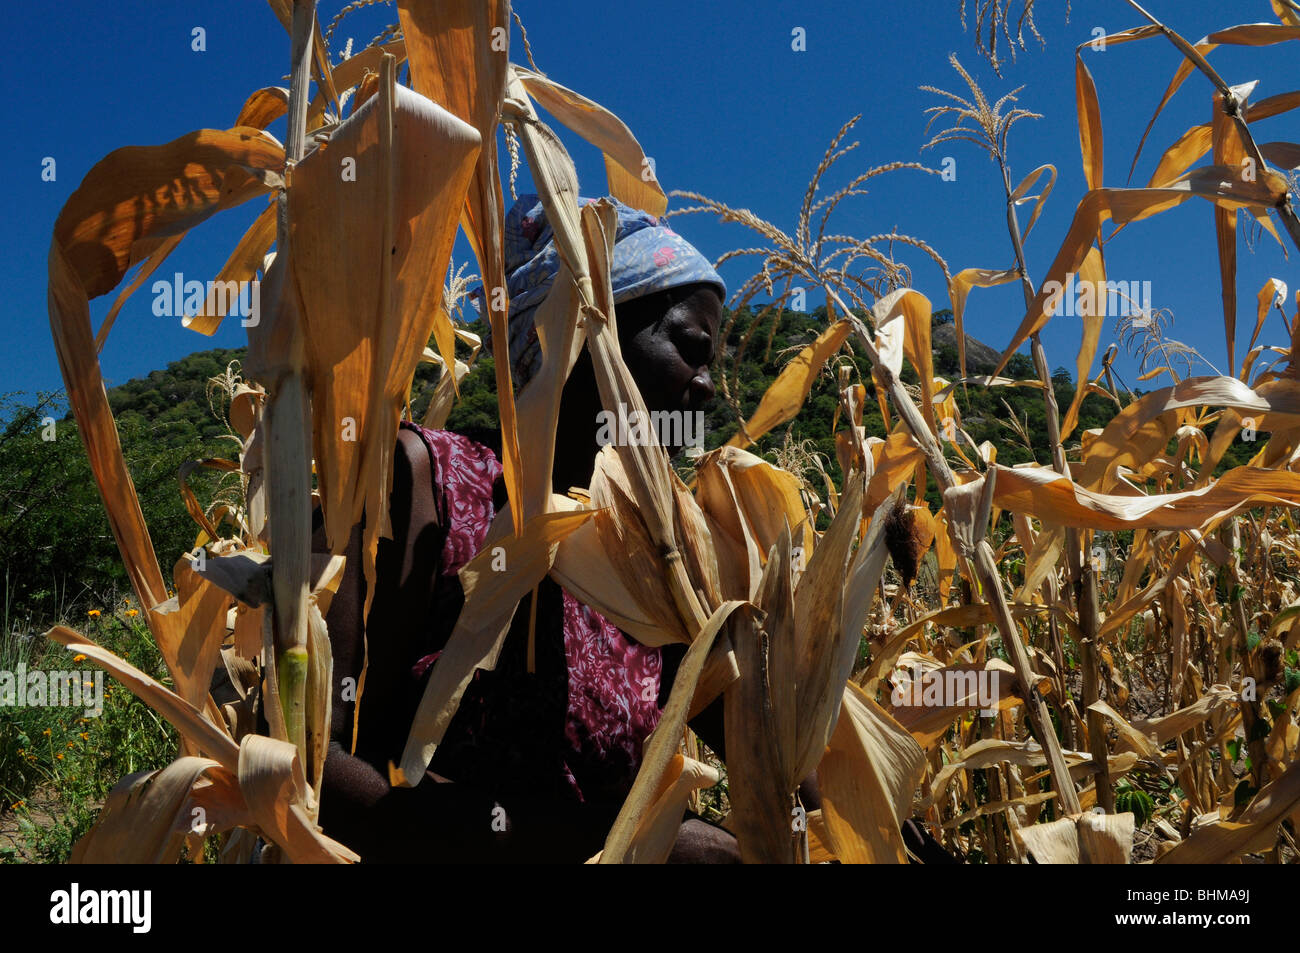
(668, 341)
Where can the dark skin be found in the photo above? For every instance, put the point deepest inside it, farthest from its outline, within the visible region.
(668, 341)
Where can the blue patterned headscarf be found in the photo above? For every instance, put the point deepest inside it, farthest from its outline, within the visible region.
(648, 257)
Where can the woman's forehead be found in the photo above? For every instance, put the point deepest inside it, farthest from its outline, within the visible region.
(709, 304)
(698, 305)
(701, 301)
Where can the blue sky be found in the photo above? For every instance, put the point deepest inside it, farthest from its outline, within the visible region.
(715, 93)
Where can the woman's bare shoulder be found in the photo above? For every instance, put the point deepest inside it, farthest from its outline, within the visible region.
(413, 480)
(411, 448)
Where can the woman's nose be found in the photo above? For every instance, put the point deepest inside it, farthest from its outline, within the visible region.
(702, 387)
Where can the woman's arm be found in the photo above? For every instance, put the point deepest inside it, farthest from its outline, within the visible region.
(404, 569)
(358, 806)
(432, 822)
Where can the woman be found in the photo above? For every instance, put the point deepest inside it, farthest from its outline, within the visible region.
(535, 765)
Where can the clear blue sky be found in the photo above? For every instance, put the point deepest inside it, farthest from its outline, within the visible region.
(715, 94)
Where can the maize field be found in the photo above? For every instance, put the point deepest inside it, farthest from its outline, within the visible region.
(988, 697)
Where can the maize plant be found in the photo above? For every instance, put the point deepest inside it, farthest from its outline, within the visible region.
(1158, 572)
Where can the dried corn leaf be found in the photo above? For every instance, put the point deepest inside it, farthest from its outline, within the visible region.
(657, 832)
(867, 776)
(902, 321)
(631, 177)
(196, 618)
(364, 337)
(150, 265)
(1090, 136)
(768, 497)
(270, 780)
(460, 59)
(964, 616)
(1145, 735)
(1284, 155)
(1258, 34)
(1143, 428)
(1220, 185)
(1105, 838)
(142, 193)
(135, 199)
(959, 287)
(740, 563)
(824, 647)
(1093, 315)
(862, 581)
(448, 385)
(1056, 842)
(538, 406)
(189, 722)
(1181, 156)
(145, 817)
(988, 752)
(242, 266)
(1021, 194)
(783, 398)
(361, 70)
(759, 720)
(1081, 839)
(1273, 292)
(927, 718)
(629, 549)
(274, 788)
(1045, 493)
(997, 807)
(660, 747)
(1255, 829)
(895, 462)
(582, 567)
(263, 107)
(1196, 142)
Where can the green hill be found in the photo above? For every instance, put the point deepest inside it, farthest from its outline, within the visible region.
(58, 557)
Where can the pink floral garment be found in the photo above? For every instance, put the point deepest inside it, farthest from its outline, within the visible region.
(575, 728)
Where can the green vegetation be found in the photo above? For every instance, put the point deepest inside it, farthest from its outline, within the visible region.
(57, 553)
(56, 765)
